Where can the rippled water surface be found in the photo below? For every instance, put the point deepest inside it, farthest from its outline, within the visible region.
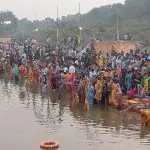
(26, 122)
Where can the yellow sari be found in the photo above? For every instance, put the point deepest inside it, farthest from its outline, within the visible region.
(101, 61)
(99, 90)
(146, 84)
(115, 95)
(31, 76)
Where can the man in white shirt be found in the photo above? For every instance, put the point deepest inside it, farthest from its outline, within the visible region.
(45, 71)
(73, 54)
(83, 51)
(118, 62)
(92, 74)
(76, 62)
(89, 46)
(23, 59)
(65, 69)
(79, 56)
(72, 69)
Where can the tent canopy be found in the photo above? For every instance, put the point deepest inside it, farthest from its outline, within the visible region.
(5, 40)
(118, 46)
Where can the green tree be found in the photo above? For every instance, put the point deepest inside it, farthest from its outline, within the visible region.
(8, 22)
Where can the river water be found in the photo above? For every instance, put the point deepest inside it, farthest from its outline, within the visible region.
(26, 122)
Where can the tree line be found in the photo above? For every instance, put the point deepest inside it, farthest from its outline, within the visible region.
(99, 22)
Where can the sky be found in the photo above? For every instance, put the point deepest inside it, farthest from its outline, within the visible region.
(48, 8)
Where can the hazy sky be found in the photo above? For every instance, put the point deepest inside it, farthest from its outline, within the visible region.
(47, 8)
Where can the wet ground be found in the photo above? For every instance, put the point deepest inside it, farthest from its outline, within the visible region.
(25, 122)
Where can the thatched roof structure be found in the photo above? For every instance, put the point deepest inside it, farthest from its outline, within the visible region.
(108, 46)
(5, 40)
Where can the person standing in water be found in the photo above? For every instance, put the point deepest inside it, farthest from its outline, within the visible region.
(90, 93)
(16, 72)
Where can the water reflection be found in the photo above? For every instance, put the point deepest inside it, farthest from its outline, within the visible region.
(111, 119)
(52, 114)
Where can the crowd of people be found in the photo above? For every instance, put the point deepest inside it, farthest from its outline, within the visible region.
(91, 77)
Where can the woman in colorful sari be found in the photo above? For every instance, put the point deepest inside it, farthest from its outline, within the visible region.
(69, 81)
(128, 81)
(99, 90)
(61, 85)
(21, 70)
(90, 93)
(10, 72)
(26, 72)
(116, 95)
(105, 93)
(53, 82)
(16, 72)
(36, 75)
(82, 90)
(1, 65)
(31, 77)
(100, 60)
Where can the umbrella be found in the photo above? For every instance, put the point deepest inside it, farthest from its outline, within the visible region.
(34, 42)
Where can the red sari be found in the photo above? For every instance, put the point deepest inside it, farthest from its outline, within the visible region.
(69, 82)
(36, 74)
